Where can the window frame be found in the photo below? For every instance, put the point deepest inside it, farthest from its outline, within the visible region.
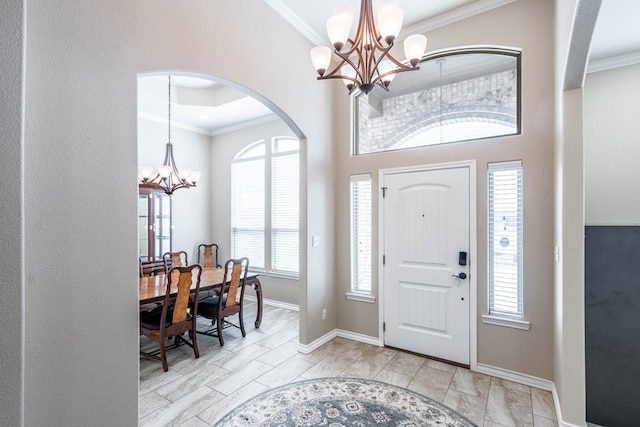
(495, 316)
(357, 292)
(267, 230)
(513, 52)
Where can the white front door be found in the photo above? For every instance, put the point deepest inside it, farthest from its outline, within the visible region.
(426, 228)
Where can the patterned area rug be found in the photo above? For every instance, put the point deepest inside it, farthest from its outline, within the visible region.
(341, 402)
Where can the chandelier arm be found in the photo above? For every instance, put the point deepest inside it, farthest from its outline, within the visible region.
(333, 73)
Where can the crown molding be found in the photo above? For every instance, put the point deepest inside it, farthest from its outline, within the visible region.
(174, 124)
(613, 62)
(464, 12)
(446, 18)
(296, 22)
(214, 132)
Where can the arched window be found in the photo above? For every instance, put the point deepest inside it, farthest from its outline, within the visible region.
(455, 96)
(265, 205)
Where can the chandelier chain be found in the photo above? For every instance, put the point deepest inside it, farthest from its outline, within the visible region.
(169, 115)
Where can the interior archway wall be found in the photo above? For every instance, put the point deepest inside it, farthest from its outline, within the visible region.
(84, 58)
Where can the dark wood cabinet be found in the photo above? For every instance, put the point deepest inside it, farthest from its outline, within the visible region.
(155, 224)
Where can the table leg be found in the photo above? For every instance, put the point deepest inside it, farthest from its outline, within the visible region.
(257, 286)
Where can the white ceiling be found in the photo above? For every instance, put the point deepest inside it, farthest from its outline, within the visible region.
(207, 107)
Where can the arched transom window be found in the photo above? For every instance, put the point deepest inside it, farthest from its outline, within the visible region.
(455, 96)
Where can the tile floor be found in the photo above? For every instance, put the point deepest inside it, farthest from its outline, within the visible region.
(197, 392)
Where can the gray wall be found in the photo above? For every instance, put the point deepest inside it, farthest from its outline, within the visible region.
(527, 352)
(11, 212)
(81, 338)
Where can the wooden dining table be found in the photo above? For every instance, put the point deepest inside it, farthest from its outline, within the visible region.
(153, 288)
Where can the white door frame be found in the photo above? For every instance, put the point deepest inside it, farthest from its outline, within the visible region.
(473, 249)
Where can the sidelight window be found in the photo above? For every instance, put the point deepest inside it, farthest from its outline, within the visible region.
(505, 239)
(361, 234)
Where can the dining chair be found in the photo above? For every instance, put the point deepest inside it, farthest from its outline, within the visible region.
(178, 314)
(174, 259)
(208, 255)
(229, 302)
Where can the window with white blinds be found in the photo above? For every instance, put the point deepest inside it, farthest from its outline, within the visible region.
(265, 205)
(247, 210)
(505, 239)
(361, 233)
(284, 210)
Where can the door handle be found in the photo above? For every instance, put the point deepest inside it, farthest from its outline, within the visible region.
(461, 276)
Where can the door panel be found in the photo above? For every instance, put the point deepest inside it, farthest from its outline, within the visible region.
(426, 225)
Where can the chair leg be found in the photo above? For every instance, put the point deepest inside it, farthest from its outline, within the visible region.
(163, 355)
(240, 317)
(194, 341)
(219, 326)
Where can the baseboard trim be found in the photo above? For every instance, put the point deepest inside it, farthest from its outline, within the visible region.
(515, 376)
(273, 303)
(308, 348)
(556, 404)
(360, 338)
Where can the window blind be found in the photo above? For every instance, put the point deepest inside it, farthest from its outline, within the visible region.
(284, 212)
(505, 238)
(361, 233)
(247, 210)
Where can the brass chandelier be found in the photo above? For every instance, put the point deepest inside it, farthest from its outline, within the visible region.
(168, 178)
(365, 61)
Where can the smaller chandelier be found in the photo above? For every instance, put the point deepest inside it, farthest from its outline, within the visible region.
(365, 61)
(168, 178)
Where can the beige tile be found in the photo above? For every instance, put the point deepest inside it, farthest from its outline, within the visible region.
(471, 383)
(379, 354)
(330, 366)
(279, 354)
(241, 357)
(240, 377)
(509, 407)
(436, 364)
(472, 407)
(392, 377)
(543, 403)
(363, 368)
(285, 372)
(405, 363)
(511, 385)
(150, 402)
(181, 410)
(539, 421)
(431, 382)
(195, 422)
(190, 382)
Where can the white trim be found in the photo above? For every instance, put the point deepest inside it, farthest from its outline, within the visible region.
(556, 404)
(308, 348)
(274, 303)
(292, 18)
(490, 319)
(359, 337)
(613, 62)
(360, 296)
(473, 248)
(441, 20)
(464, 12)
(517, 377)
